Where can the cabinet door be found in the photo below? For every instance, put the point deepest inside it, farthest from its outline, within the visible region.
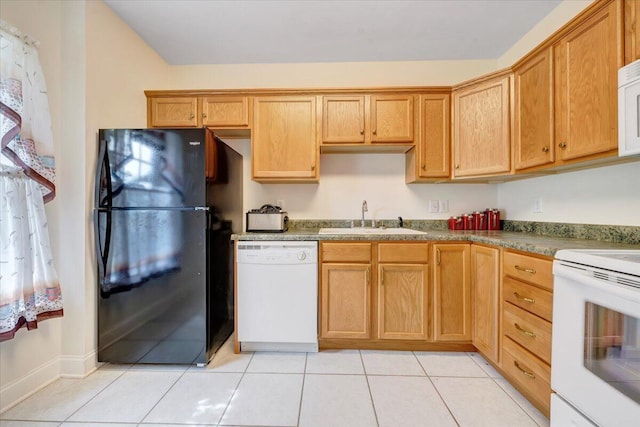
(392, 118)
(284, 144)
(403, 301)
(343, 119)
(586, 67)
(481, 129)
(452, 292)
(433, 146)
(533, 133)
(225, 111)
(485, 286)
(173, 112)
(631, 31)
(345, 305)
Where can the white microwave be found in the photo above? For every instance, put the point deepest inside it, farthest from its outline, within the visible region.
(629, 109)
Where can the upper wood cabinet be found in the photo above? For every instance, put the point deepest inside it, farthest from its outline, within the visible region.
(284, 144)
(452, 292)
(431, 156)
(367, 119)
(631, 30)
(482, 128)
(173, 112)
(586, 98)
(194, 111)
(485, 289)
(533, 112)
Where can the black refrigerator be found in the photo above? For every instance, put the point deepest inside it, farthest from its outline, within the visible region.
(166, 204)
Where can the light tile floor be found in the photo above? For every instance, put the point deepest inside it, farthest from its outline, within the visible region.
(329, 389)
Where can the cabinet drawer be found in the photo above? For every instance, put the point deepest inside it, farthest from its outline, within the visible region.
(346, 252)
(530, 331)
(535, 300)
(403, 252)
(529, 372)
(534, 270)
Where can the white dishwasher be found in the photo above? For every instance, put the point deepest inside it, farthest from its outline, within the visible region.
(277, 298)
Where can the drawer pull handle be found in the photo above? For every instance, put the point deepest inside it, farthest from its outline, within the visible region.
(524, 331)
(525, 269)
(525, 299)
(437, 256)
(527, 373)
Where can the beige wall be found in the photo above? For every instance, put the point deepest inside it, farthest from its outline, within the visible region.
(31, 358)
(96, 70)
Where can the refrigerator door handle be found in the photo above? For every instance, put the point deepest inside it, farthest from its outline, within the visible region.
(102, 251)
(103, 177)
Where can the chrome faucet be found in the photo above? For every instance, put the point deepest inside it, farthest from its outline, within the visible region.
(364, 209)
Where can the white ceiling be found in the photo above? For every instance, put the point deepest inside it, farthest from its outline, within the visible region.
(276, 31)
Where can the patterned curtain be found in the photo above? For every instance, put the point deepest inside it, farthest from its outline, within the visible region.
(29, 288)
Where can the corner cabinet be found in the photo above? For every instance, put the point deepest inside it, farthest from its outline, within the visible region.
(452, 292)
(485, 289)
(586, 79)
(431, 158)
(284, 144)
(482, 128)
(367, 119)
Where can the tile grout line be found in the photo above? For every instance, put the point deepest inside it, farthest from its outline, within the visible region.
(304, 377)
(163, 396)
(235, 390)
(455, 420)
(366, 377)
(124, 371)
(507, 393)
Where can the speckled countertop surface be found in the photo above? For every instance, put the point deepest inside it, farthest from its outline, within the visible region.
(528, 242)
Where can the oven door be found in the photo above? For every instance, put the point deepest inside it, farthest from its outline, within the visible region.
(596, 345)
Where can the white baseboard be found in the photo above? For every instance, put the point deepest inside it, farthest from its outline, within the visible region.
(78, 366)
(40, 377)
(34, 381)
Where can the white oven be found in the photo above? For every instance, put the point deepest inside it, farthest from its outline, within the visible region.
(595, 364)
(629, 109)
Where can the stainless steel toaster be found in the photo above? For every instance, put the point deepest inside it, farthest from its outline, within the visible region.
(269, 218)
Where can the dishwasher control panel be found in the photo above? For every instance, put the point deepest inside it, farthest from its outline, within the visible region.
(277, 252)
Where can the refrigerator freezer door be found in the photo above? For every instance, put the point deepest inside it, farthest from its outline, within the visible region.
(152, 286)
(141, 168)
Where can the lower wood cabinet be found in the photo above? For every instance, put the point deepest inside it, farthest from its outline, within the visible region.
(345, 301)
(452, 292)
(403, 301)
(485, 289)
(527, 298)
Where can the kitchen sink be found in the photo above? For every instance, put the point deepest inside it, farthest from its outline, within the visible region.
(365, 230)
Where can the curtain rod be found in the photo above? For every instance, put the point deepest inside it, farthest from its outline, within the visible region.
(26, 39)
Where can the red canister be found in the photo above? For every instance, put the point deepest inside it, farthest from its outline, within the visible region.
(493, 219)
(479, 221)
(455, 223)
(467, 222)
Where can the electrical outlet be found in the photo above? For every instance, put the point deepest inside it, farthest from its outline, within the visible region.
(443, 206)
(433, 206)
(280, 203)
(537, 205)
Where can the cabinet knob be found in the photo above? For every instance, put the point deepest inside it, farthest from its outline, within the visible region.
(192, 116)
(562, 145)
(545, 149)
(424, 167)
(204, 115)
(375, 132)
(361, 131)
(457, 166)
(313, 167)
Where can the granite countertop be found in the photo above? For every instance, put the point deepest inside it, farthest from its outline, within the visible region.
(528, 242)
